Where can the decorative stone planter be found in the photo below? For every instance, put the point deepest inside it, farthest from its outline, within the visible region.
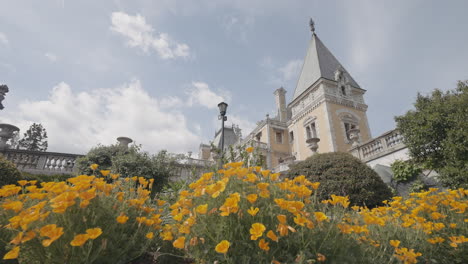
(6, 133)
(354, 136)
(124, 141)
(313, 144)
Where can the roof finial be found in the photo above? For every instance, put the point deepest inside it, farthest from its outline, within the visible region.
(312, 25)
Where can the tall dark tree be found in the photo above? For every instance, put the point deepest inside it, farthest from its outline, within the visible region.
(436, 134)
(35, 138)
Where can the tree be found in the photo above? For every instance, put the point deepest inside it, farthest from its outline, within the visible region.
(35, 138)
(131, 161)
(342, 174)
(436, 134)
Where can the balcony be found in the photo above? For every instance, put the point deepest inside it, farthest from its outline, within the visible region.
(385, 144)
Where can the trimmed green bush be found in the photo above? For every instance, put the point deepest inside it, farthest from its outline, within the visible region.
(342, 174)
(9, 174)
(129, 162)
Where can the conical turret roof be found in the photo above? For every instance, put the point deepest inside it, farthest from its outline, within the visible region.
(318, 63)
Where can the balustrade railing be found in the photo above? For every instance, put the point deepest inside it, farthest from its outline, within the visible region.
(388, 142)
(41, 162)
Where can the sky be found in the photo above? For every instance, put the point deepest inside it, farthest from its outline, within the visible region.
(155, 70)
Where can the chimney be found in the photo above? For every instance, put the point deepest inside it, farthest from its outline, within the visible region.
(280, 96)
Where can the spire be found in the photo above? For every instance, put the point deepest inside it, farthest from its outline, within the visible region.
(312, 25)
(319, 63)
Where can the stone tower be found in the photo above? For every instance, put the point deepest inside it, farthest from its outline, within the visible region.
(327, 103)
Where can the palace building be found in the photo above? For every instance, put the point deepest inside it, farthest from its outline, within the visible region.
(327, 113)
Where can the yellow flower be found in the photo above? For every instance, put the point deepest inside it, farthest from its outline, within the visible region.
(256, 231)
(12, 254)
(320, 257)
(122, 219)
(150, 235)
(271, 235)
(300, 220)
(104, 172)
(94, 166)
(249, 149)
(114, 176)
(281, 219)
(252, 198)
(167, 236)
(222, 247)
(13, 205)
(51, 231)
(93, 233)
(315, 185)
(22, 182)
(79, 240)
(395, 243)
(435, 240)
(253, 211)
(265, 173)
(202, 209)
(179, 243)
(263, 244)
(320, 216)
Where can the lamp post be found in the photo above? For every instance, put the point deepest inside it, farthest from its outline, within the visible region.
(222, 116)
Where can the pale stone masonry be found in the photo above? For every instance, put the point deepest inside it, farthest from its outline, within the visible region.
(327, 104)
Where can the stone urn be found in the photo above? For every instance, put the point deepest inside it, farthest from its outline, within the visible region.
(312, 143)
(124, 141)
(6, 133)
(354, 136)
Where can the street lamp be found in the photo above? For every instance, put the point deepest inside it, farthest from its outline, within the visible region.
(222, 116)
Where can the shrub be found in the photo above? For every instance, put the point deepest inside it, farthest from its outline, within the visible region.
(131, 162)
(342, 174)
(9, 174)
(404, 171)
(84, 220)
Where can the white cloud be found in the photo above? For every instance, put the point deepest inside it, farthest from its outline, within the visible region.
(171, 102)
(3, 38)
(51, 57)
(281, 74)
(140, 34)
(291, 70)
(201, 94)
(77, 121)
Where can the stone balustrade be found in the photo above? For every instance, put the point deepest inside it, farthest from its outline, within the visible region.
(388, 142)
(38, 162)
(257, 144)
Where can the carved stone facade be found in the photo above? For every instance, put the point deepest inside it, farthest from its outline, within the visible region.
(327, 112)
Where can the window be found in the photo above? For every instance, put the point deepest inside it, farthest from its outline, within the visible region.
(258, 136)
(343, 90)
(291, 136)
(311, 131)
(279, 137)
(348, 126)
